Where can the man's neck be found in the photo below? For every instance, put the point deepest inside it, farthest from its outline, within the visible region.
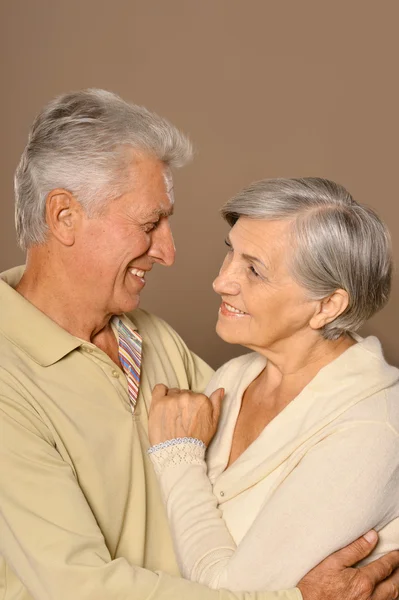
(50, 289)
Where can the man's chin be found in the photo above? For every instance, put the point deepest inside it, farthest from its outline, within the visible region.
(133, 305)
(128, 305)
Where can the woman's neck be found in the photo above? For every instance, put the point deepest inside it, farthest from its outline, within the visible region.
(287, 373)
(279, 384)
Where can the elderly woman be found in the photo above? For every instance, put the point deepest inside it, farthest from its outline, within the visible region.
(306, 453)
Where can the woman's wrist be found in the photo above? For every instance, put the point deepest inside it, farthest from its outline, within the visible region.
(177, 452)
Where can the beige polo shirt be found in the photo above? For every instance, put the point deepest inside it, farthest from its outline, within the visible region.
(80, 511)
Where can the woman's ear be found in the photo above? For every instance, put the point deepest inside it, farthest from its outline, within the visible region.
(63, 215)
(329, 308)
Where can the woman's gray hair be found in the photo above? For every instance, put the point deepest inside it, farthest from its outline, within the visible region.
(336, 242)
(83, 142)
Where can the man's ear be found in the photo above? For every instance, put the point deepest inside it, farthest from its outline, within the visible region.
(63, 215)
(329, 308)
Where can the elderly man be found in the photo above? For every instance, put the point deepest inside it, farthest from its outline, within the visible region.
(80, 512)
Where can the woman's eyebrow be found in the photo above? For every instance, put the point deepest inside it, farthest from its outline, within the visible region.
(249, 257)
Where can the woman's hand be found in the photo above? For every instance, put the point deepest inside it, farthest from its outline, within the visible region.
(178, 413)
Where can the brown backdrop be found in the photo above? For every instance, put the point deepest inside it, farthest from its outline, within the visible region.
(264, 88)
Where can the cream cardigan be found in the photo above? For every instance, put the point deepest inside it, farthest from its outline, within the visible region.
(323, 472)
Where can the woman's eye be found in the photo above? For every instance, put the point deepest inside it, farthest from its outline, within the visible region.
(254, 271)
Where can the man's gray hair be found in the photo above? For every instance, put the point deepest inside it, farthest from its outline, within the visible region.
(83, 142)
(336, 242)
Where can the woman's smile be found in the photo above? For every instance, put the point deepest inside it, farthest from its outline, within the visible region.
(228, 310)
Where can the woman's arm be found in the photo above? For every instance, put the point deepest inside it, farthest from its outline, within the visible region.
(343, 486)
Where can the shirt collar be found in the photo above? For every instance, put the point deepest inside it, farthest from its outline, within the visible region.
(28, 328)
(31, 330)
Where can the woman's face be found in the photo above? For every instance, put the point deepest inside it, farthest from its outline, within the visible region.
(262, 306)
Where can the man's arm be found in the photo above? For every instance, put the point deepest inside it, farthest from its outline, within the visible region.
(57, 550)
(49, 536)
(377, 581)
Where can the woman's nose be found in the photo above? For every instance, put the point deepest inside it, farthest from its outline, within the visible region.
(225, 284)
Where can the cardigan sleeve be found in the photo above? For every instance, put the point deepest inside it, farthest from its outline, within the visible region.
(344, 486)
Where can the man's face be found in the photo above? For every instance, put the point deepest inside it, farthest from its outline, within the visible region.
(116, 249)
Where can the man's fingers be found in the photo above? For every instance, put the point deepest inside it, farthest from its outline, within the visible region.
(382, 568)
(356, 551)
(388, 589)
(216, 400)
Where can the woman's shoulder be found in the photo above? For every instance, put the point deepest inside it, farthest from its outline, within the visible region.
(380, 408)
(246, 366)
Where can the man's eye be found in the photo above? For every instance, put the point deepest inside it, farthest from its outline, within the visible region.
(229, 246)
(151, 226)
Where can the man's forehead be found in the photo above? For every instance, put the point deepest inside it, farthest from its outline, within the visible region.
(153, 198)
(167, 175)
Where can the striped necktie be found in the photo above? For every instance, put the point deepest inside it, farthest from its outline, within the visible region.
(130, 344)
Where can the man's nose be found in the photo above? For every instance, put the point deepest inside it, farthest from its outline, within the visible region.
(162, 248)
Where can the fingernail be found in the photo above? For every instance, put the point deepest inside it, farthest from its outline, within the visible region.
(371, 536)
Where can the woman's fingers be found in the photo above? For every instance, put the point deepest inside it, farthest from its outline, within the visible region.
(181, 413)
(159, 391)
(216, 399)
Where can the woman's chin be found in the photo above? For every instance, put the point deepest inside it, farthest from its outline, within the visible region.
(227, 334)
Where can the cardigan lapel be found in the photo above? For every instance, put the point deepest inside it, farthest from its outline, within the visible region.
(358, 373)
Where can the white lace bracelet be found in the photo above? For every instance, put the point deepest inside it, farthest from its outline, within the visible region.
(174, 442)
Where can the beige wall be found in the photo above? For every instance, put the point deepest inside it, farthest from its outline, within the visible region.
(264, 88)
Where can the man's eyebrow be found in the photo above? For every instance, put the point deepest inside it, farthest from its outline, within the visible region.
(158, 213)
(249, 257)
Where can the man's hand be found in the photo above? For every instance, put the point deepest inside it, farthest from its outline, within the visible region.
(178, 413)
(334, 579)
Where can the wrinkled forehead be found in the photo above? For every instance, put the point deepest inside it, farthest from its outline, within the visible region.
(267, 241)
(167, 175)
(261, 234)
